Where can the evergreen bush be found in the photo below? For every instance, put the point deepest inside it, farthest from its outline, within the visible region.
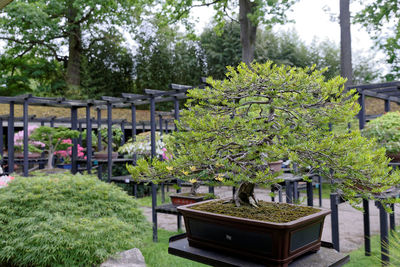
(64, 219)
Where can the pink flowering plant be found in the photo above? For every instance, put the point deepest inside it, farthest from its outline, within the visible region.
(66, 154)
(54, 139)
(4, 179)
(33, 145)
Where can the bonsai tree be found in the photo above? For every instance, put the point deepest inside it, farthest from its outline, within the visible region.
(54, 140)
(230, 129)
(386, 131)
(116, 137)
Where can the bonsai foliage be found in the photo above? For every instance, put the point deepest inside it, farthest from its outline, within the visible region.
(233, 127)
(66, 220)
(116, 137)
(33, 146)
(53, 138)
(386, 131)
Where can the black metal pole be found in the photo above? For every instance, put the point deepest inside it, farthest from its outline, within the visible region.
(153, 155)
(123, 138)
(320, 190)
(289, 191)
(384, 234)
(10, 145)
(211, 189)
(80, 134)
(74, 126)
(176, 111)
(367, 231)
(26, 147)
(109, 141)
(335, 221)
(88, 140)
(392, 221)
(387, 105)
(310, 197)
(52, 122)
(143, 127)
(133, 114)
(361, 114)
(1, 140)
(99, 146)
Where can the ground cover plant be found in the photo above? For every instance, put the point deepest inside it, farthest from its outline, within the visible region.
(232, 129)
(68, 220)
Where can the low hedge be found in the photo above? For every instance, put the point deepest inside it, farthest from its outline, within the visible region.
(64, 219)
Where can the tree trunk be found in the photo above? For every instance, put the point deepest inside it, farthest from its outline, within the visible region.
(50, 160)
(248, 30)
(73, 77)
(245, 195)
(346, 69)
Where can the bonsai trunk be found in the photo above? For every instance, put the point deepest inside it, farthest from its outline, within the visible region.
(193, 189)
(50, 160)
(245, 195)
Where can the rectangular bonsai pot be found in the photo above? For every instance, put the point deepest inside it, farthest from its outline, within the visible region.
(274, 244)
(184, 199)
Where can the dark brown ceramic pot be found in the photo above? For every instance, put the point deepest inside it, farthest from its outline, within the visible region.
(273, 244)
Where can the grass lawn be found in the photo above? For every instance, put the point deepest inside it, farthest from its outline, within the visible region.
(358, 258)
(146, 201)
(156, 254)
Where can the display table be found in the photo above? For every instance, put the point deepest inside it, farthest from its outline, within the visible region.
(325, 257)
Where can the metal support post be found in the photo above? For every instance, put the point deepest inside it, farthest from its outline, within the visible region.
(310, 197)
(361, 114)
(367, 231)
(133, 114)
(109, 141)
(335, 221)
(383, 219)
(10, 135)
(26, 147)
(88, 140)
(74, 126)
(99, 146)
(387, 105)
(289, 191)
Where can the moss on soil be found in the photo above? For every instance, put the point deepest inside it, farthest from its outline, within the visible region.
(267, 211)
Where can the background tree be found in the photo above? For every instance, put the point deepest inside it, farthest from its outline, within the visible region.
(346, 69)
(381, 18)
(65, 29)
(251, 15)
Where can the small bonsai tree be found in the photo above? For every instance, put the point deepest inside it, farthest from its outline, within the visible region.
(53, 139)
(116, 138)
(33, 146)
(230, 129)
(386, 131)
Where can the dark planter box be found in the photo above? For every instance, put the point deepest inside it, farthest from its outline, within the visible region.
(275, 244)
(184, 199)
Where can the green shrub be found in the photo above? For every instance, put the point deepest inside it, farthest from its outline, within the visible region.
(66, 220)
(386, 130)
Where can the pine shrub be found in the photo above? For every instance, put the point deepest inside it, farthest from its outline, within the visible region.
(66, 220)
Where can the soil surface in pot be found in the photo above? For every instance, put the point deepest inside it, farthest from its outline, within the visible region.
(266, 211)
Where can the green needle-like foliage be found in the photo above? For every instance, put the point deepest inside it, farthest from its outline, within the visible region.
(231, 129)
(66, 220)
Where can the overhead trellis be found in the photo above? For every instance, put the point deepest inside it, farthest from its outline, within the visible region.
(389, 92)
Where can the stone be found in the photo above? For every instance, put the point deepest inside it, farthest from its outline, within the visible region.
(128, 258)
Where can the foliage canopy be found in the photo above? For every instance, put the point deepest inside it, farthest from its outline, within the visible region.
(231, 129)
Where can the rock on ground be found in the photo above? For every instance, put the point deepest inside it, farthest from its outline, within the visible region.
(128, 258)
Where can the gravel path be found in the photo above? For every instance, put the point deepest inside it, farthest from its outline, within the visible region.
(350, 220)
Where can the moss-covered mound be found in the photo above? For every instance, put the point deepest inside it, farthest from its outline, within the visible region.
(266, 211)
(68, 220)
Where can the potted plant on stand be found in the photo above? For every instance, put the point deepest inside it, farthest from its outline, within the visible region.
(53, 139)
(116, 141)
(227, 134)
(141, 147)
(64, 156)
